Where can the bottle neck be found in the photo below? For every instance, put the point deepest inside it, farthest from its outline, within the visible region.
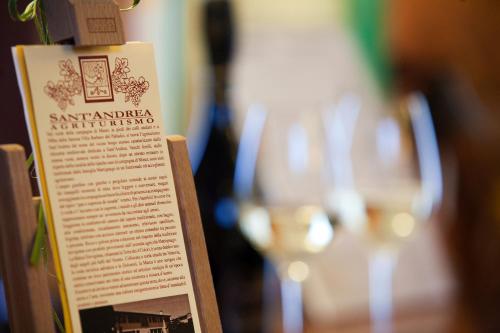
(220, 83)
(221, 116)
(220, 110)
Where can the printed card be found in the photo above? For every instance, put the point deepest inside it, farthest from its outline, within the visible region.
(109, 197)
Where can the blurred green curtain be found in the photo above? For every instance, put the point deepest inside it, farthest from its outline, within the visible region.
(367, 21)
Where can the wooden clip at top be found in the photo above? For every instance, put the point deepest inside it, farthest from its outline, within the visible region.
(85, 22)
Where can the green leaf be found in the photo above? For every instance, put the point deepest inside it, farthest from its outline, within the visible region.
(33, 11)
(28, 14)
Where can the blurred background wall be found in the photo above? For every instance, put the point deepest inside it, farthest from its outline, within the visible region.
(309, 54)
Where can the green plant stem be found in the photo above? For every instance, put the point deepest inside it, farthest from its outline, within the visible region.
(39, 242)
(59, 324)
(132, 6)
(34, 11)
(29, 161)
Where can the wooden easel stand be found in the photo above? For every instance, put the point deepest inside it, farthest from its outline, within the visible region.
(26, 286)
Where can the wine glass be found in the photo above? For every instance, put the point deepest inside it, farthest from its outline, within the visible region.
(280, 177)
(387, 182)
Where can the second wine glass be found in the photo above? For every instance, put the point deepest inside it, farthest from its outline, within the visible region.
(387, 182)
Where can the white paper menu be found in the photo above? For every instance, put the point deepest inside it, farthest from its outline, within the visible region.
(104, 172)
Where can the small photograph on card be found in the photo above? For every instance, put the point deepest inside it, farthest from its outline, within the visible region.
(96, 79)
(161, 315)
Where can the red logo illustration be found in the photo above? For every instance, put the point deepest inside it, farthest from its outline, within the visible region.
(96, 79)
(96, 82)
(130, 86)
(64, 90)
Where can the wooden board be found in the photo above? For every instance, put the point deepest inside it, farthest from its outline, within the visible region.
(193, 235)
(26, 286)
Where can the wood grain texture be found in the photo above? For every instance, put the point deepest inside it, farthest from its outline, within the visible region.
(85, 22)
(26, 286)
(193, 236)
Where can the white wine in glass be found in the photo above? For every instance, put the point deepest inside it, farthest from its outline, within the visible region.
(286, 233)
(383, 221)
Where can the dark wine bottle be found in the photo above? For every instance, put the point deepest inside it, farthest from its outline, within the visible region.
(236, 267)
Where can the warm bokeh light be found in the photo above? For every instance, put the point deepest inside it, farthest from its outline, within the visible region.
(403, 224)
(298, 271)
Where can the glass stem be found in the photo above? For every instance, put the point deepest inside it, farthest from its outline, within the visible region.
(270, 291)
(291, 302)
(381, 273)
